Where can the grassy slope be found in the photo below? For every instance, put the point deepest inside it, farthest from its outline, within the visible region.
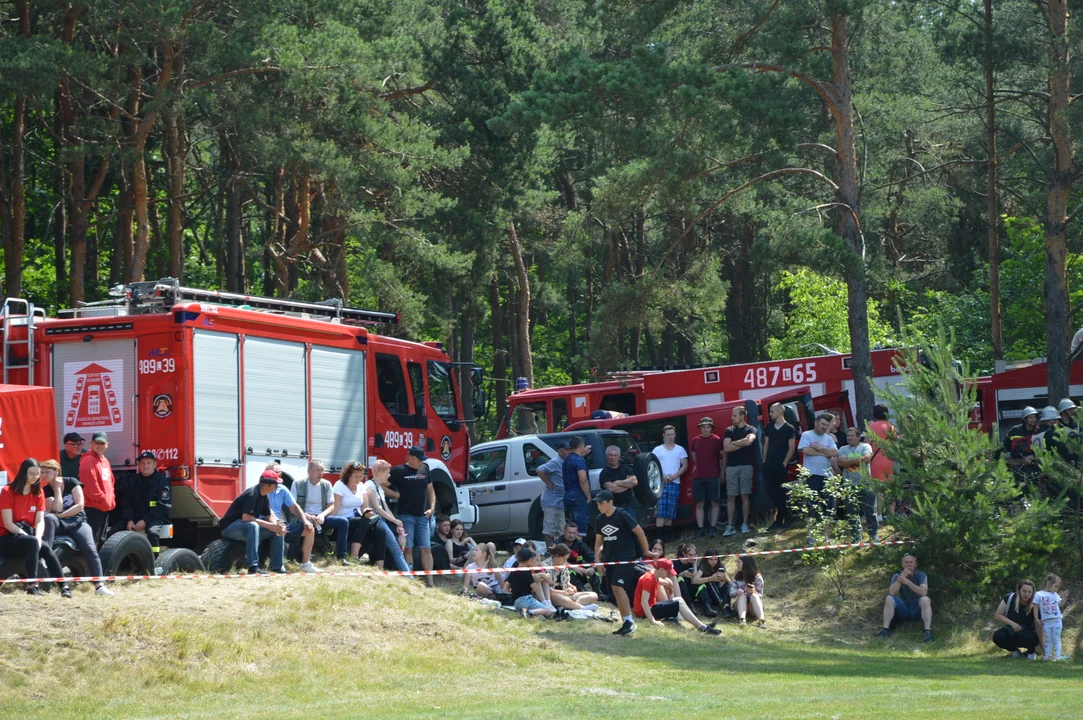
(349, 647)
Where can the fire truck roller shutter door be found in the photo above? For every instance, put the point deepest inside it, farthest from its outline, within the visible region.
(217, 398)
(90, 408)
(275, 402)
(339, 431)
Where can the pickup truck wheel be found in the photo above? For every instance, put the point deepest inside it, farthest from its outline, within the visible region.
(534, 525)
(127, 553)
(221, 556)
(178, 560)
(648, 472)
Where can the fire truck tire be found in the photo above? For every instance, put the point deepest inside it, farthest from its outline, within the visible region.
(127, 553)
(223, 555)
(648, 472)
(72, 561)
(178, 560)
(11, 565)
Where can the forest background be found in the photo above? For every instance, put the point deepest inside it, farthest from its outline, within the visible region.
(561, 188)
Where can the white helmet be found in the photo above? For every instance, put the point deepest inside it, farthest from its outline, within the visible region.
(1066, 404)
(1027, 412)
(1049, 413)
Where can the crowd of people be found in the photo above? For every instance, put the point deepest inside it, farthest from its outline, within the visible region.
(78, 497)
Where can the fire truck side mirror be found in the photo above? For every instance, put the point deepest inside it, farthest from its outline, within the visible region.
(481, 404)
(477, 375)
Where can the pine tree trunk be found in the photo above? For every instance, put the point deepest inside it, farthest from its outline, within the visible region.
(121, 264)
(846, 179)
(175, 154)
(231, 193)
(466, 357)
(526, 361)
(16, 236)
(500, 368)
(992, 212)
(1060, 188)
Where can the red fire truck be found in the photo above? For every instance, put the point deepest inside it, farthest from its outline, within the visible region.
(551, 409)
(218, 385)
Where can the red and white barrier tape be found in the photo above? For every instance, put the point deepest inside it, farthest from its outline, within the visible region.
(420, 573)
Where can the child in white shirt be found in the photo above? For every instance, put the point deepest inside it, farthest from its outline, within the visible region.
(1048, 602)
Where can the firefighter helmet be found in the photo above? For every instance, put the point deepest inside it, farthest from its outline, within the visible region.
(1049, 413)
(1027, 412)
(1066, 404)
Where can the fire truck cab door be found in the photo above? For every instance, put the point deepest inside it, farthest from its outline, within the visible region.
(95, 388)
(797, 402)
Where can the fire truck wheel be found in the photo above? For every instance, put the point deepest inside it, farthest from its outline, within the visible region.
(11, 565)
(178, 560)
(127, 553)
(72, 561)
(648, 472)
(223, 555)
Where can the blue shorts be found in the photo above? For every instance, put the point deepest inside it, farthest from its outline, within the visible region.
(417, 530)
(529, 602)
(904, 611)
(667, 504)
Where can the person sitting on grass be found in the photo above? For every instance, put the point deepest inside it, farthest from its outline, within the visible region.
(513, 557)
(459, 546)
(530, 588)
(908, 599)
(617, 535)
(22, 526)
(685, 567)
(1019, 615)
(580, 554)
(563, 593)
(748, 590)
(485, 584)
(711, 585)
(658, 547)
(657, 598)
(443, 531)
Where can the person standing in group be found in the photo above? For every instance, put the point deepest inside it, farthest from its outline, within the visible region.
(818, 448)
(852, 456)
(1067, 410)
(882, 467)
(617, 536)
(617, 478)
(674, 461)
(71, 455)
(552, 497)
(740, 463)
(707, 484)
(99, 485)
(576, 482)
(22, 526)
(417, 503)
(779, 450)
(1018, 446)
(1049, 601)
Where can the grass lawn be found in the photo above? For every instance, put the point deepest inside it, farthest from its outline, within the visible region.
(376, 647)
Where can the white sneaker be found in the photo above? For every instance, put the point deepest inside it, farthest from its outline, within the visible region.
(104, 591)
(593, 607)
(308, 567)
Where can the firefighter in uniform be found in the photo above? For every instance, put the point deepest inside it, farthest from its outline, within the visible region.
(1017, 447)
(145, 499)
(1067, 410)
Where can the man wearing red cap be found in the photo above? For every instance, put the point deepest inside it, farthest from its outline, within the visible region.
(657, 598)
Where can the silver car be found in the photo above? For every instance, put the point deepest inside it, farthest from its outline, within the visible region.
(504, 483)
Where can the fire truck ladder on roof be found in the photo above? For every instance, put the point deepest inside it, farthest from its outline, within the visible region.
(9, 318)
(169, 290)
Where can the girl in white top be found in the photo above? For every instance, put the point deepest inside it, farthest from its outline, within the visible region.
(484, 583)
(1048, 602)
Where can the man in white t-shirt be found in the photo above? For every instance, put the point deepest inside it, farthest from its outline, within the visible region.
(318, 502)
(817, 447)
(674, 461)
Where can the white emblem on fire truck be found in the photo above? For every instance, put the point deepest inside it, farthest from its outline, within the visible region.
(92, 392)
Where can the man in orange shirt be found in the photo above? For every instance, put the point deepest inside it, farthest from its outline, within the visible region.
(663, 581)
(99, 486)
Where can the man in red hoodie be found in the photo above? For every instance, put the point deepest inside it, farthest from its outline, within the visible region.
(99, 494)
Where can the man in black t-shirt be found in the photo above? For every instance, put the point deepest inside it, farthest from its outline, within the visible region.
(249, 519)
(619, 538)
(739, 447)
(530, 589)
(779, 451)
(417, 503)
(617, 478)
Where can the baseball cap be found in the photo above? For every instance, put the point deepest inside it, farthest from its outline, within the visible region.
(519, 541)
(417, 452)
(100, 437)
(664, 564)
(146, 455)
(525, 553)
(706, 421)
(73, 437)
(269, 477)
(604, 496)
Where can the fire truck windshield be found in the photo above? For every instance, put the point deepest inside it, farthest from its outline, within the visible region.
(441, 391)
(528, 419)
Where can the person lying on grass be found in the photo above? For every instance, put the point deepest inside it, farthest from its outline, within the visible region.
(530, 588)
(658, 598)
(563, 592)
(748, 590)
